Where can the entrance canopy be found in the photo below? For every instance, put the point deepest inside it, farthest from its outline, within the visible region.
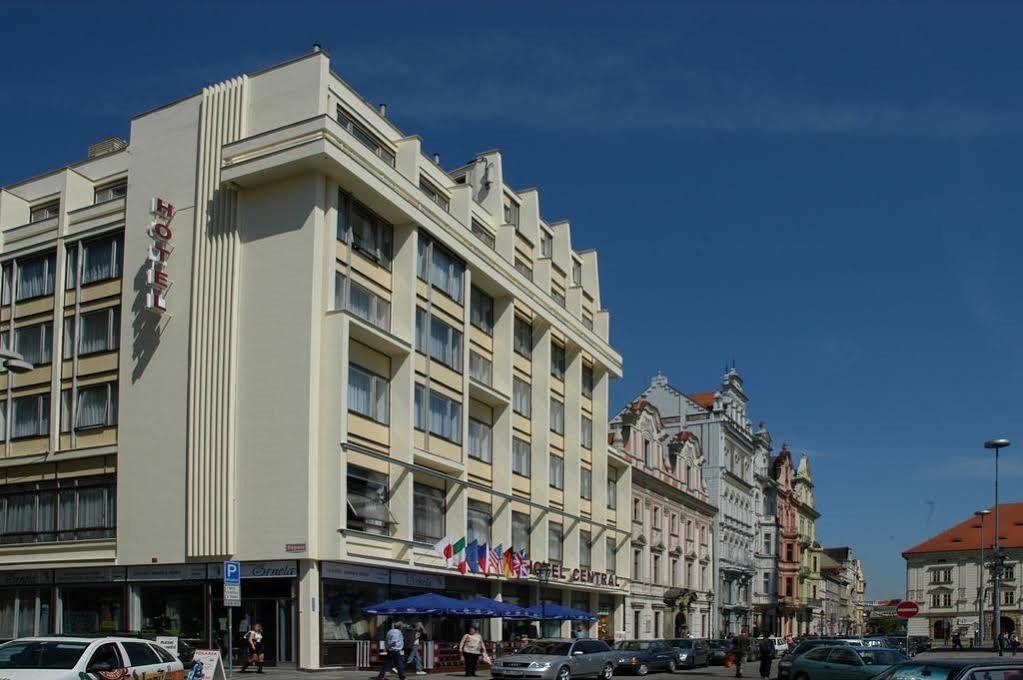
(428, 603)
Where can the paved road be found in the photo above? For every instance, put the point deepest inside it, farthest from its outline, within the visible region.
(750, 670)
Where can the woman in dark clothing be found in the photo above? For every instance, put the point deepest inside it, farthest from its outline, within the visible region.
(766, 656)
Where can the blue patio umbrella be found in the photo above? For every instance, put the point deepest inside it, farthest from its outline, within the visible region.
(427, 603)
(498, 609)
(556, 612)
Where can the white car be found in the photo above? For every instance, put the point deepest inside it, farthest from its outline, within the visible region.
(74, 658)
(780, 646)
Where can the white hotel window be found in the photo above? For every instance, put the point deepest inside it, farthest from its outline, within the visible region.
(62, 510)
(522, 397)
(481, 310)
(101, 260)
(35, 342)
(433, 193)
(444, 341)
(367, 500)
(445, 415)
(585, 549)
(30, 416)
(557, 416)
(557, 360)
(34, 279)
(480, 441)
(586, 483)
(480, 368)
(362, 133)
(483, 234)
(521, 456)
(428, 513)
(520, 531)
(587, 378)
(557, 472)
(478, 521)
(367, 394)
(586, 433)
(441, 269)
(522, 341)
(101, 332)
(362, 302)
(44, 212)
(511, 212)
(546, 244)
(97, 407)
(612, 489)
(369, 235)
(111, 191)
(555, 542)
(577, 273)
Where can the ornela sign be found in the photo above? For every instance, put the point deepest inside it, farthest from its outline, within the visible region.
(160, 250)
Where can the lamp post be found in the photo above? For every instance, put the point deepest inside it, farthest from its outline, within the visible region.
(980, 577)
(996, 629)
(543, 577)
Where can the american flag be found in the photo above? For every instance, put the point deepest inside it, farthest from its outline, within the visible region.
(495, 561)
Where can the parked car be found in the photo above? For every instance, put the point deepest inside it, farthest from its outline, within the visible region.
(692, 652)
(845, 662)
(642, 656)
(70, 658)
(955, 669)
(921, 643)
(717, 650)
(785, 663)
(557, 660)
(780, 646)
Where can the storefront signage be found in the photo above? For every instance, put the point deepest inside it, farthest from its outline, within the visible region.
(94, 575)
(294, 547)
(157, 278)
(354, 572)
(579, 575)
(168, 572)
(207, 665)
(26, 578)
(273, 569)
(413, 580)
(168, 642)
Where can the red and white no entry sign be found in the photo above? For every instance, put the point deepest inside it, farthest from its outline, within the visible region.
(907, 609)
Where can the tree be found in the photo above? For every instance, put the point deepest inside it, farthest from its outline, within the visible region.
(885, 625)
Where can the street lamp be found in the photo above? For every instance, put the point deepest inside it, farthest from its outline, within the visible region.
(980, 576)
(543, 577)
(996, 629)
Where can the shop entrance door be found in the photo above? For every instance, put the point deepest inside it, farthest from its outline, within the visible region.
(275, 614)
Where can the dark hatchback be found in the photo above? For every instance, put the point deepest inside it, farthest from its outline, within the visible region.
(955, 669)
(785, 664)
(643, 656)
(717, 650)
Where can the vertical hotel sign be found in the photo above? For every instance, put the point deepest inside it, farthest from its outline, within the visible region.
(158, 281)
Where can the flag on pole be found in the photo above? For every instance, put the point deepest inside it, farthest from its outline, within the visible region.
(457, 549)
(443, 548)
(523, 564)
(494, 561)
(462, 566)
(509, 571)
(472, 557)
(483, 554)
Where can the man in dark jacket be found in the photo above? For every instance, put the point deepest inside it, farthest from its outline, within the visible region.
(740, 650)
(766, 649)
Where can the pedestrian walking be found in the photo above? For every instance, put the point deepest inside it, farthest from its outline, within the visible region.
(581, 632)
(414, 637)
(766, 657)
(472, 649)
(957, 641)
(254, 647)
(394, 645)
(740, 650)
(1014, 642)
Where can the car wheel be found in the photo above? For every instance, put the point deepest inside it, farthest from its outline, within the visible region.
(642, 669)
(563, 673)
(671, 666)
(800, 676)
(608, 672)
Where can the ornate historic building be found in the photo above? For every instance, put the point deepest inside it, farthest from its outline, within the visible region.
(789, 547)
(811, 612)
(766, 607)
(672, 526)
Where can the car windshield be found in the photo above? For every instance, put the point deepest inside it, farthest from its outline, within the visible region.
(918, 671)
(717, 644)
(633, 645)
(41, 654)
(881, 657)
(547, 648)
(682, 644)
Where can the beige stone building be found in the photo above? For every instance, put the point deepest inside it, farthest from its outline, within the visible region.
(270, 329)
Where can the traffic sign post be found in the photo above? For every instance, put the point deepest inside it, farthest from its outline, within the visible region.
(232, 598)
(907, 609)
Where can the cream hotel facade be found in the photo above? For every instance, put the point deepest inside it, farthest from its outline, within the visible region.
(271, 329)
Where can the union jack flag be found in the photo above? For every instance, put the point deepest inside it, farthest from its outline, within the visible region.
(520, 564)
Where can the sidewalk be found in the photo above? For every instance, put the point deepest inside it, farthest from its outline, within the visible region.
(342, 674)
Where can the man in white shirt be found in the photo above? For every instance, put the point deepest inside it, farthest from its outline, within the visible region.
(394, 644)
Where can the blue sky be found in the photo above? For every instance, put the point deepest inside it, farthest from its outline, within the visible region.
(827, 193)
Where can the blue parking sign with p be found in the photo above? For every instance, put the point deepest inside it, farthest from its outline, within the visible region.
(232, 572)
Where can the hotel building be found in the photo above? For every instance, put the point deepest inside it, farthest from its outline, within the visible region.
(271, 329)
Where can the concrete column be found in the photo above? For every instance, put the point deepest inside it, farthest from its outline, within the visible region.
(308, 606)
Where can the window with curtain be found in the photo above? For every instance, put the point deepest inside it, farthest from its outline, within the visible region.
(101, 260)
(546, 244)
(587, 381)
(444, 415)
(367, 393)
(523, 268)
(445, 342)
(367, 500)
(555, 548)
(118, 189)
(35, 277)
(612, 489)
(577, 273)
(557, 416)
(362, 302)
(97, 407)
(483, 234)
(557, 472)
(480, 368)
(479, 517)
(30, 416)
(35, 343)
(481, 311)
(585, 548)
(557, 360)
(6, 272)
(586, 433)
(522, 454)
(44, 212)
(611, 555)
(428, 512)
(371, 236)
(520, 531)
(586, 483)
(523, 339)
(3, 419)
(522, 397)
(438, 267)
(480, 440)
(365, 137)
(58, 510)
(101, 332)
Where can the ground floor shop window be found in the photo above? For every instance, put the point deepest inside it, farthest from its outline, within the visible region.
(172, 610)
(511, 629)
(92, 609)
(25, 612)
(342, 615)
